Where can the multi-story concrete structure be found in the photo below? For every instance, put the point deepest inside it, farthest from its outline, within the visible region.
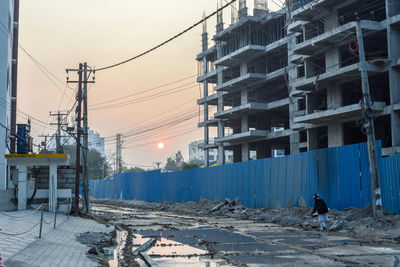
(6, 66)
(290, 80)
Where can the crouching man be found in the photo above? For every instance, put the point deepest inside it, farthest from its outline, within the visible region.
(322, 209)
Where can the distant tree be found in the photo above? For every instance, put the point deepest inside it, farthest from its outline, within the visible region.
(193, 164)
(132, 170)
(98, 166)
(175, 162)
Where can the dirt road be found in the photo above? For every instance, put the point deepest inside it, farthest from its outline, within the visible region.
(221, 241)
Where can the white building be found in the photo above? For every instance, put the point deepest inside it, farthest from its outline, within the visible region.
(96, 142)
(6, 44)
(197, 153)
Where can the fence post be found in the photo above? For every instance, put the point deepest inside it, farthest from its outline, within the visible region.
(41, 222)
(55, 215)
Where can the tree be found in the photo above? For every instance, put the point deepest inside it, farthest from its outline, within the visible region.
(175, 162)
(132, 169)
(98, 167)
(193, 164)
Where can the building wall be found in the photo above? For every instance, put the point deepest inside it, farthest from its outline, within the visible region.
(6, 24)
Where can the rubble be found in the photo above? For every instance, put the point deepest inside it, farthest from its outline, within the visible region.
(352, 221)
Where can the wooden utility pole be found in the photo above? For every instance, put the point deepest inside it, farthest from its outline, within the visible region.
(370, 129)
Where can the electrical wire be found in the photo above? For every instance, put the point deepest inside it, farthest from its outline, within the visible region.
(169, 40)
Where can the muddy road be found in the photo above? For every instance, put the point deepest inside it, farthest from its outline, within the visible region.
(205, 240)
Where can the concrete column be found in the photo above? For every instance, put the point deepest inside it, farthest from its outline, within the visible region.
(243, 68)
(312, 139)
(244, 96)
(22, 186)
(52, 187)
(245, 128)
(206, 129)
(393, 36)
(245, 152)
(245, 122)
(335, 130)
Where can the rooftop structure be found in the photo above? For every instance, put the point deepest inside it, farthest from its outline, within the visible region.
(290, 80)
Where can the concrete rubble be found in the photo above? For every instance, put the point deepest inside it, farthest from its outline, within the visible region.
(352, 222)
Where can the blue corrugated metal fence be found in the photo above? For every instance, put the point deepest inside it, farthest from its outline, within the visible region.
(340, 175)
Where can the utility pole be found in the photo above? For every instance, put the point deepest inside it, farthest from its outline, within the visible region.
(83, 72)
(59, 123)
(118, 156)
(370, 129)
(85, 141)
(44, 144)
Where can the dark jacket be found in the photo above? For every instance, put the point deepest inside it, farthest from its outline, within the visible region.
(320, 206)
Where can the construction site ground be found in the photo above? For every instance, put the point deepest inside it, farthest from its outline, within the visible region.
(207, 233)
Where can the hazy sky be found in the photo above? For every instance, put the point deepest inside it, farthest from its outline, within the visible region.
(63, 33)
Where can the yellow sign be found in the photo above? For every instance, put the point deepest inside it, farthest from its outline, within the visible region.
(36, 156)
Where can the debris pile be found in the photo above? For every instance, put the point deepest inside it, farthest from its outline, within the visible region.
(98, 244)
(358, 222)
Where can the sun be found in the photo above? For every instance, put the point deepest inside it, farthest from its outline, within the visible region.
(160, 145)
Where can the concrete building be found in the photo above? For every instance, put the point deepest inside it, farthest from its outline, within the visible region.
(6, 66)
(196, 152)
(289, 81)
(96, 142)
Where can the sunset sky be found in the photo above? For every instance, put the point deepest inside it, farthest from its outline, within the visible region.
(60, 34)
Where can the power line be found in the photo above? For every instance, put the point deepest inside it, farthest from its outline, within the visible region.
(169, 40)
(144, 91)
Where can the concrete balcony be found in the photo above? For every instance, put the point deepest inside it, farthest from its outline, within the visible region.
(308, 11)
(394, 22)
(209, 54)
(309, 84)
(250, 79)
(241, 82)
(210, 77)
(251, 108)
(339, 114)
(351, 72)
(249, 136)
(208, 146)
(210, 122)
(211, 100)
(336, 36)
(253, 136)
(245, 53)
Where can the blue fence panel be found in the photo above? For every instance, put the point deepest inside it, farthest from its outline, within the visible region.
(340, 175)
(390, 183)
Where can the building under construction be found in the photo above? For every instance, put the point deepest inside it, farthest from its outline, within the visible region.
(290, 80)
